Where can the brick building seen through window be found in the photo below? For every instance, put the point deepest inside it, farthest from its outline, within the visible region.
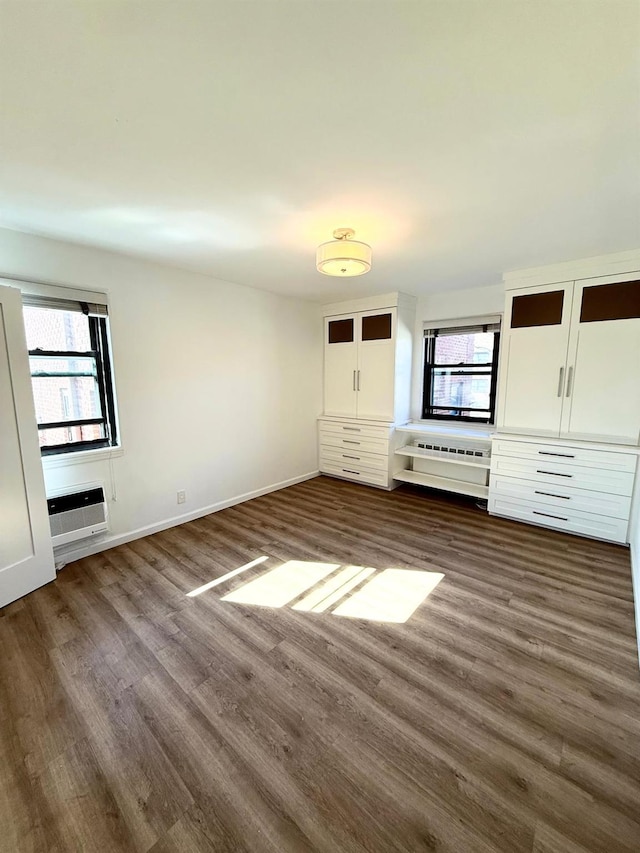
(460, 374)
(71, 382)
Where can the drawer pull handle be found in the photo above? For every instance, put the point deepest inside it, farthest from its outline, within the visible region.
(347, 471)
(549, 453)
(560, 381)
(551, 495)
(548, 515)
(348, 441)
(345, 456)
(352, 429)
(553, 473)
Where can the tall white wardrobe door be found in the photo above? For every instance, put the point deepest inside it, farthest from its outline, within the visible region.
(602, 399)
(533, 359)
(340, 366)
(376, 364)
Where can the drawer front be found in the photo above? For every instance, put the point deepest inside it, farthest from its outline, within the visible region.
(570, 521)
(355, 442)
(373, 478)
(562, 455)
(561, 497)
(354, 428)
(551, 473)
(348, 457)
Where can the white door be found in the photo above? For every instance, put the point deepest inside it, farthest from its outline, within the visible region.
(376, 364)
(533, 361)
(602, 396)
(26, 555)
(340, 366)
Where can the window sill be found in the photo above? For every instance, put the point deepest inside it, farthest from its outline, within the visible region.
(437, 427)
(61, 460)
(454, 425)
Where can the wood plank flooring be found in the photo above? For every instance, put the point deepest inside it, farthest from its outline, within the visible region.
(502, 717)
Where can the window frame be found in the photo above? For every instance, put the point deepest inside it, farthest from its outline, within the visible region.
(100, 352)
(429, 366)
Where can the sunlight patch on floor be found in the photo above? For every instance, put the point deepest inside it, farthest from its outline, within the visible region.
(226, 577)
(281, 585)
(391, 596)
(334, 589)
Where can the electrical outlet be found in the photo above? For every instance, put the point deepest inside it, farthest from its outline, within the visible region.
(182, 496)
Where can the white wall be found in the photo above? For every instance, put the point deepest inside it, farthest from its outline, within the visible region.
(218, 385)
(448, 305)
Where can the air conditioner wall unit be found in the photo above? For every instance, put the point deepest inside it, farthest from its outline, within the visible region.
(77, 514)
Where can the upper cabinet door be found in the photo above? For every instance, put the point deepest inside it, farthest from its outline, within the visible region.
(533, 359)
(602, 397)
(26, 555)
(340, 365)
(376, 364)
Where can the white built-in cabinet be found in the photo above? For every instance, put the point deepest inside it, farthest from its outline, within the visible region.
(570, 362)
(367, 386)
(360, 365)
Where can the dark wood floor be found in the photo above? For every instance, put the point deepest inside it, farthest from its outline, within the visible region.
(503, 716)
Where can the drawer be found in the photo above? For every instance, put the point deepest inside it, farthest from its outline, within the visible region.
(569, 521)
(565, 455)
(561, 497)
(355, 441)
(352, 458)
(354, 428)
(551, 473)
(373, 478)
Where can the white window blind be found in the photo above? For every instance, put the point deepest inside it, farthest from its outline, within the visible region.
(469, 326)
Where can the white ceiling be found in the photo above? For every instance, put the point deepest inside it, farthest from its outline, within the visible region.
(461, 138)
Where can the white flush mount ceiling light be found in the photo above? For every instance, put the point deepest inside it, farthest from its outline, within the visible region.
(343, 256)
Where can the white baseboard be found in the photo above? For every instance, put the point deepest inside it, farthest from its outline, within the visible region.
(95, 546)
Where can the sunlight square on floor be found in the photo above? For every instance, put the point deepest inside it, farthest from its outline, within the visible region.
(393, 595)
(282, 584)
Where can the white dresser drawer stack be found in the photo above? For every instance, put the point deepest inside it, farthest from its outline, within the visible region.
(579, 488)
(356, 450)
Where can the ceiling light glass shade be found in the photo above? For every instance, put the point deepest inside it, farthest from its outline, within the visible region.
(343, 257)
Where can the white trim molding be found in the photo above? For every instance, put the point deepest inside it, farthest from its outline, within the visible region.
(600, 265)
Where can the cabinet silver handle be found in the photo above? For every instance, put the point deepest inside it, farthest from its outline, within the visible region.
(354, 380)
(569, 378)
(347, 471)
(352, 429)
(549, 453)
(548, 515)
(560, 381)
(551, 495)
(349, 441)
(553, 473)
(346, 456)
(358, 380)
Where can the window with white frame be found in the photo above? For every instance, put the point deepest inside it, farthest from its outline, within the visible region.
(71, 373)
(461, 371)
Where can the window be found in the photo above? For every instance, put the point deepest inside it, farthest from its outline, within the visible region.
(460, 373)
(70, 365)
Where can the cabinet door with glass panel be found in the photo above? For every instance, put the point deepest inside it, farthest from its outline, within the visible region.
(602, 392)
(533, 368)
